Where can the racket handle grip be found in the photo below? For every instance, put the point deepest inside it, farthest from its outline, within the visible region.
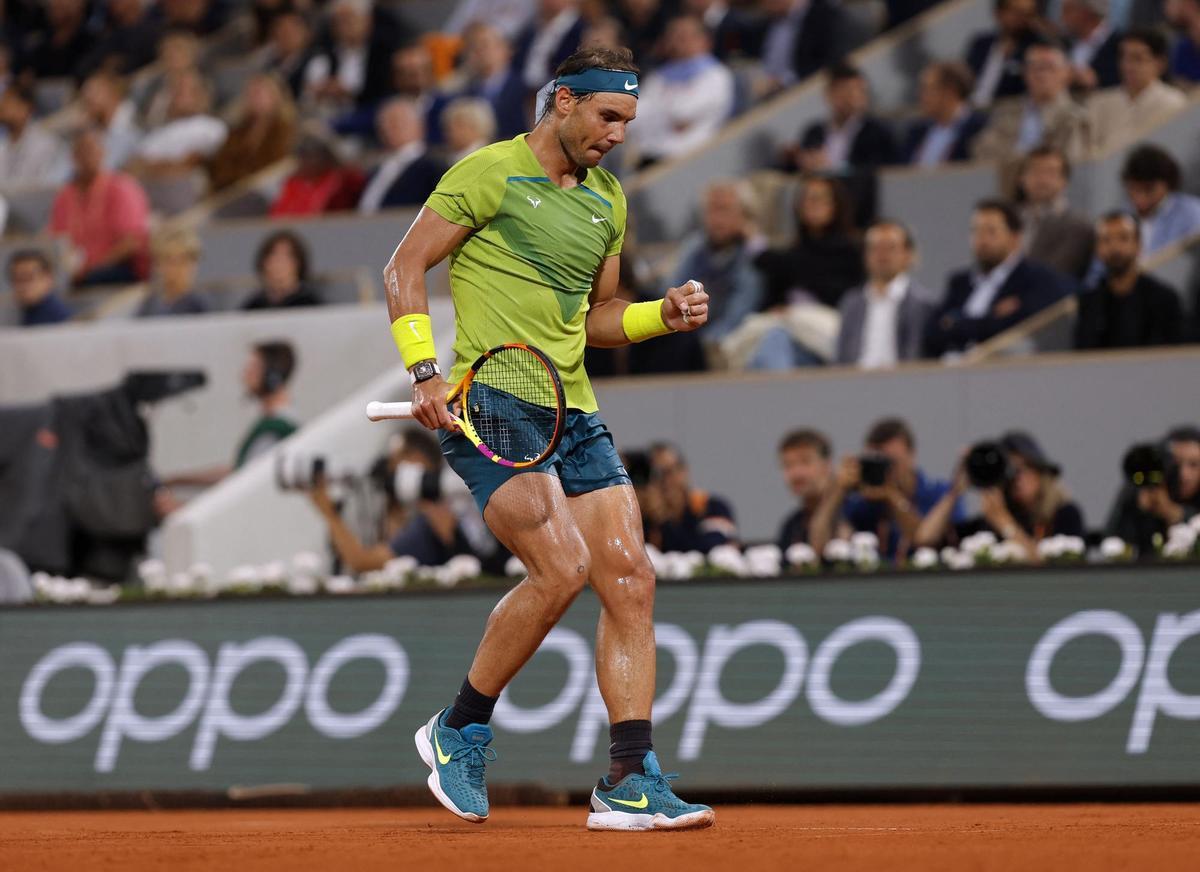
(377, 411)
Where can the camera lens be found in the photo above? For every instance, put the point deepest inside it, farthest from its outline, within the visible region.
(987, 465)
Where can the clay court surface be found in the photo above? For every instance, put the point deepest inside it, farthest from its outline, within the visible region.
(966, 837)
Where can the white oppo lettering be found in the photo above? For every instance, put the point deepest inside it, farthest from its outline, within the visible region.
(1156, 693)
(696, 681)
(207, 693)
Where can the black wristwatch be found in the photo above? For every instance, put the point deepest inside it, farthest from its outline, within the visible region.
(424, 371)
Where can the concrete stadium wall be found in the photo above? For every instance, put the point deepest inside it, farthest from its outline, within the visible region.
(1084, 409)
(339, 348)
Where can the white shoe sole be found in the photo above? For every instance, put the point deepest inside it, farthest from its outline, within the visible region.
(424, 744)
(624, 821)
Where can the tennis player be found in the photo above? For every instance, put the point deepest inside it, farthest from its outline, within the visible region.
(533, 228)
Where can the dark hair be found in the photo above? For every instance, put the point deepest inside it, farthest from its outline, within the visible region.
(294, 242)
(1045, 42)
(1012, 218)
(1048, 151)
(31, 254)
(814, 439)
(1124, 215)
(424, 443)
(843, 206)
(843, 72)
(1149, 163)
(910, 241)
(279, 362)
(1184, 433)
(956, 76)
(887, 429)
(620, 59)
(1152, 38)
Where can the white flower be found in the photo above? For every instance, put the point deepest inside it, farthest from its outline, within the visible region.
(865, 540)
(1073, 545)
(691, 561)
(1010, 551)
(307, 563)
(398, 569)
(302, 584)
(656, 560)
(42, 584)
(764, 560)
(801, 554)
(867, 560)
(59, 589)
(464, 566)
(180, 584)
(978, 543)
(961, 560)
(1183, 534)
(80, 590)
(514, 568)
(838, 551)
(1113, 548)
(341, 584)
(1176, 548)
(153, 574)
(924, 558)
(273, 574)
(244, 576)
(103, 596)
(445, 576)
(729, 559)
(674, 566)
(1050, 548)
(1194, 523)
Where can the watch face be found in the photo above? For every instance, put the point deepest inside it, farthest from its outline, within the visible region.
(423, 371)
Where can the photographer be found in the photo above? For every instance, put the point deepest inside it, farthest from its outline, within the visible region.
(677, 516)
(881, 491)
(1162, 488)
(431, 533)
(1021, 498)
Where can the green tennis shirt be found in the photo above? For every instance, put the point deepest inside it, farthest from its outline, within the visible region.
(526, 272)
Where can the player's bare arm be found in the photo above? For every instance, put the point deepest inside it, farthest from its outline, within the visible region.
(428, 242)
(683, 309)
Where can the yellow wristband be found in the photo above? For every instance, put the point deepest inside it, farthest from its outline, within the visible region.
(414, 337)
(644, 321)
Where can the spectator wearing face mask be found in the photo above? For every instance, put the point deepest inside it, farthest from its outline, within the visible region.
(1129, 308)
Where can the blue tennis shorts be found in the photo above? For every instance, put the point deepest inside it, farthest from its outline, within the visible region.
(586, 460)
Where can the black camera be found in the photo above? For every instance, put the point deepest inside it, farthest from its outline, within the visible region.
(1147, 464)
(987, 465)
(873, 469)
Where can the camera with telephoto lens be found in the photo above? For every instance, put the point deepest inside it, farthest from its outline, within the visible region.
(873, 469)
(987, 465)
(1149, 464)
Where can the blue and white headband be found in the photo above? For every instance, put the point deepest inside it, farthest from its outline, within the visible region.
(598, 80)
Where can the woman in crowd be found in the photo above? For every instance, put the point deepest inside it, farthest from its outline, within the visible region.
(263, 132)
(282, 267)
(320, 184)
(1030, 505)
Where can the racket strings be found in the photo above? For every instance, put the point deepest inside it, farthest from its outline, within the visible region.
(513, 404)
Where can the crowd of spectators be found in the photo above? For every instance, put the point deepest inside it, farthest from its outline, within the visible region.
(1016, 490)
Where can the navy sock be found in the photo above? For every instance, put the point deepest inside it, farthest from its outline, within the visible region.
(470, 707)
(630, 745)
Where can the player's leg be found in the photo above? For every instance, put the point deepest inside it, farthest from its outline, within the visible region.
(635, 794)
(528, 513)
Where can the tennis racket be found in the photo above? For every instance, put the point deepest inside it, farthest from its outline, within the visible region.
(510, 404)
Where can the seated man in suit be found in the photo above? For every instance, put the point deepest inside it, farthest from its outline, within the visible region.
(1045, 116)
(1055, 235)
(546, 42)
(799, 38)
(407, 175)
(1128, 309)
(850, 137)
(948, 125)
(1001, 290)
(883, 322)
(997, 58)
(487, 72)
(1093, 44)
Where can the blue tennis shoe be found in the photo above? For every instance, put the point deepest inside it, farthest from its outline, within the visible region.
(456, 759)
(645, 802)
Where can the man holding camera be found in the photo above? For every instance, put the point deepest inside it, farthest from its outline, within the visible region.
(1162, 489)
(432, 534)
(882, 491)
